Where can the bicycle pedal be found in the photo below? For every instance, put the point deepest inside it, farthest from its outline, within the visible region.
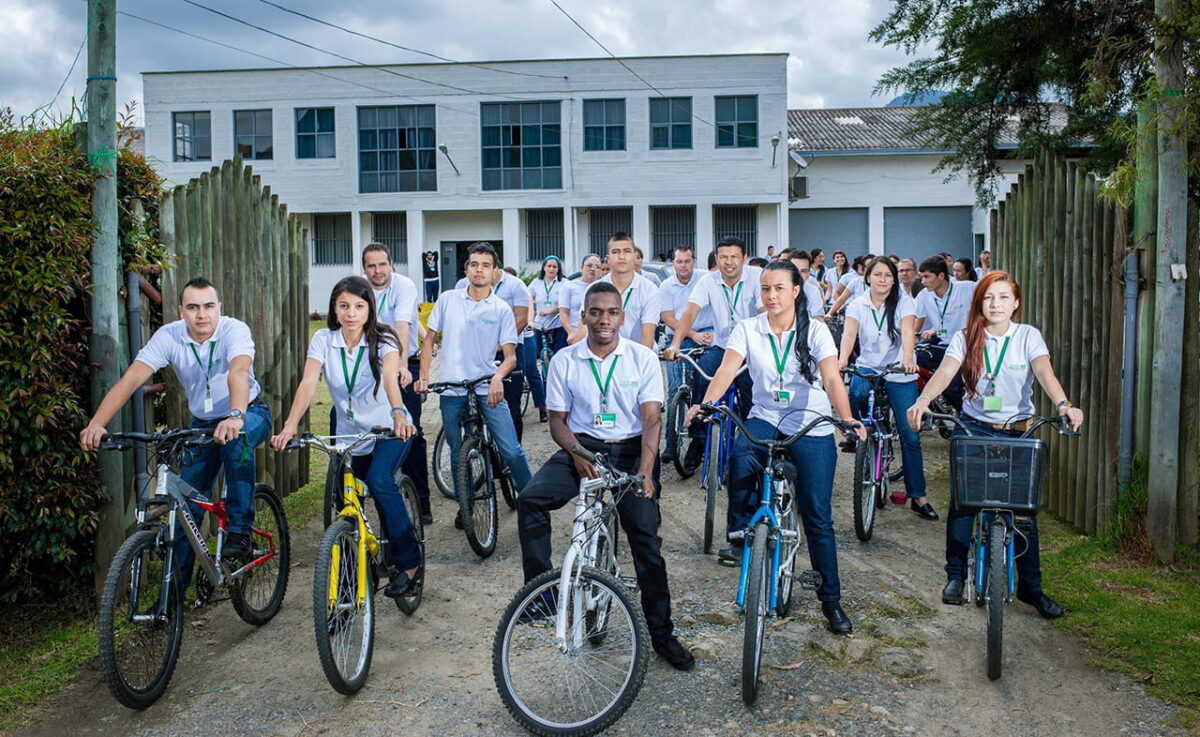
(737, 535)
(630, 582)
(808, 580)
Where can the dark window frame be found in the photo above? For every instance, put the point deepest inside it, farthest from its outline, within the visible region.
(520, 145)
(255, 138)
(607, 134)
(317, 135)
(397, 148)
(671, 124)
(738, 131)
(190, 141)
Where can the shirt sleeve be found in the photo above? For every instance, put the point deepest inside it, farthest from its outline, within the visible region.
(520, 293)
(1035, 345)
(508, 326)
(461, 284)
(739, 339)
(921, 306)
(318, 347)
(855, 310)
(958, 347)
(240, 342)
(820, 342)
(650, 387)
(651, 309)
(816, 308)
(386, 348)
(157, 352)
(700, 295)
(437, 314)
(558, 392)
(906, 307)
(406, 303)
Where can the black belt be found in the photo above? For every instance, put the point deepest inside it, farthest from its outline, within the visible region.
(636, 440)
(258, 401)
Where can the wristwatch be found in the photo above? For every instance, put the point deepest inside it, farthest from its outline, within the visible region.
(1064, 403)
(237, 414)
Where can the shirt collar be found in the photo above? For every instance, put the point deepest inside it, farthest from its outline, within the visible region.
(585, 353)
(467, 297)
(1012, 328)
(187, 336)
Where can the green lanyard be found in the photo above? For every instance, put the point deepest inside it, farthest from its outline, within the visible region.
(628, 294)
(737, 295)
(878, 318)
(781, 360)
(945, 305)
(991, 374)
(549, 287)
(603, 387)
(207, 377)
(383, 302)
(351, 380)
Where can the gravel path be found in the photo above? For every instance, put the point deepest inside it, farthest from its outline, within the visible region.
(913, 666)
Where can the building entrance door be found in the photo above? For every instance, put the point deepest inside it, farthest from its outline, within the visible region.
(454, 258)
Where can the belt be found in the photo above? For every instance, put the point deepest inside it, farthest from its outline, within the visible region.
(624, 443)
(1019, 426)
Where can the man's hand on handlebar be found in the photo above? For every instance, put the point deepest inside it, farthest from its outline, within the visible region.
(693, 412)
(421, 386)
(670, 353)
(1074, 417)
(916, 413)
(280, 441)
(495, 393)
(90, 436)
(647, 491)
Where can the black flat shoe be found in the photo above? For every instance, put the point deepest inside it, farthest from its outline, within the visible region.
(730, 555)
(458, 523)
(1047, 607)
(924, 511)
(426, 512)
(953, 593)
(839, 623)
(542, 416)
(674, 653)
(400, 585)
(236, 546)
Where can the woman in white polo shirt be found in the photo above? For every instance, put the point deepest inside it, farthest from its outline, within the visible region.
(999, 359)
(358, 357)
(793, 379)
(543, 301)
(883, 322)
(570, 299)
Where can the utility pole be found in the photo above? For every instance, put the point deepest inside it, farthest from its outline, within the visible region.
(1170, 279)
(106, 265)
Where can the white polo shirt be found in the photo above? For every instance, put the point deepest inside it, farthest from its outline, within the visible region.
(640, 303)
(753, 340)
(854, 282)
(948, 314)
(202, 368)
(652, 277)
(341, 368)
(398, 303)
(876, 348)
(831, 278)
(570, 297)
(573, 388)
(1014, 380)
(728, 305)
(816, 301)
(544, 296)
(471, 330)
(510, 289)
(673, 297)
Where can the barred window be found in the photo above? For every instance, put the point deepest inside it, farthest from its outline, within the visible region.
(391, 229)
(737, 220)
(544, 234)
(332, 242)
(671, 227)
(603, 222)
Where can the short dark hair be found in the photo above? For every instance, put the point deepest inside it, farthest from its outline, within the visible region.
(600, 287)
(934, 265)
(375, 246)
(621, 235)
(682, 247)
(816, 252)
(638, 250)
(712, 259)
(196, 282)
(759, 261)
(800, 254)
(732, 240)
(785, 253)
(483, 247)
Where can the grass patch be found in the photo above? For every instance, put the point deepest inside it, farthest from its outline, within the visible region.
(1143, 619)
(42, 650)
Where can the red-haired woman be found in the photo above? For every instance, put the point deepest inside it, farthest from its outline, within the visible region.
(1000, 359)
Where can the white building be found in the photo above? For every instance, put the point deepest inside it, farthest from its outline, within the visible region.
(538, 157)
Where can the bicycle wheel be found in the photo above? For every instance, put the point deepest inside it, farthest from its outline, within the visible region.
(757, 602)
(408, 491)
(525, 392)
(334, 478)
(503, 479)
(788, 520)
(344, 628)
(598, 605)
(258, 593)
(141, 622)
(579, 689)
(677, 434)
(477, 500)
(711, 484)
(865, 492)
(997, 585)
(443, 473)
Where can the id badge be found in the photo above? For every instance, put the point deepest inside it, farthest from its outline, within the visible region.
(993, 403)
(941, 332)
(208, 405)
(781, 396)
(605, 420)
(548, 303)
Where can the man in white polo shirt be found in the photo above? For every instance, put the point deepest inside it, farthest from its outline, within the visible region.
(673, 300)
(812, 288)
(942, 309)
(639, 296)
(606, 395)
(213, 358)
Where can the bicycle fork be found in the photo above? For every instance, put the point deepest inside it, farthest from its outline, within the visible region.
(983, 526)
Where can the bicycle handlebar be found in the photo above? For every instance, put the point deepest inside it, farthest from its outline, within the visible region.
(441, 386)
(686, 355)
(610, 477)
(1064, 427)
(322, 442)
(190, 438)
(845, 427)
(873, 376)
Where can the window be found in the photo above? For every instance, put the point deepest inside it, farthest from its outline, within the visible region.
(671, 227)
(315, 133)
(522, 145)
(544, 233)
(391, 229)
(252, 134)
(396, 149)
(603, 125)
(603, 222)
(737, 220)
(331, 241)
(670, 122)
(193, 136)
(737, 121)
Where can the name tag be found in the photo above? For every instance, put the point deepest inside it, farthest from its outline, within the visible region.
(605, 420)
(548, 303)
(781, 396)
(941, 332)
(208, 405)
(993, 404)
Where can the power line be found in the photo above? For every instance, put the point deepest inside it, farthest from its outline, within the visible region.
(86, 32)
(406, 48)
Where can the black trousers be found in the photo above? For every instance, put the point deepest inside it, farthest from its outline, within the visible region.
(514, 387)
(557, 483)
(415, 465)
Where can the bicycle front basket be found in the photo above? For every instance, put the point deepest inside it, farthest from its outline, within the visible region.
(997, 473)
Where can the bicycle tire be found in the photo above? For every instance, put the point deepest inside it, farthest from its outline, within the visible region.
(140, 560)
(757, 602)
(788, 520)
(477, 499)
(257, 595)
(997, 589)
(711, 485)
(337, 628)
(596, 618)
(865, 492)
(533, 641)
(334, 478)
(503, 479)
(525, 392)
(443, 474)
(408, 492)
(677, 435)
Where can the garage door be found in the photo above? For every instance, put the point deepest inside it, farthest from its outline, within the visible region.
(920, 232)
(829, 228)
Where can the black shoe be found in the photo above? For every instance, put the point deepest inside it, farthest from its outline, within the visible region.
(849, 445)
(236, 546)
(543, 416)
(1047, 607)
(400, 585)
(839, 623)
(674, 653)
(924, 511)
(458, 523)
(695, 454)
(731, 555)
(953, 593)
(426, 512)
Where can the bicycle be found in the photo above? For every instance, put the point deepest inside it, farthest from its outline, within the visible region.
(351, 562)
(873, 458)
(480, 470)
(571, 651)
(443, 473)
(939, 405)
(772, 540)
(141, 606)
(996, 478)
(677, 406)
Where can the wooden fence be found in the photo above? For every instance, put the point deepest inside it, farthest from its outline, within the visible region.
(1065, 245)
(224, 225)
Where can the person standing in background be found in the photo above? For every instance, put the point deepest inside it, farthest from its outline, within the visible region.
(429, 272)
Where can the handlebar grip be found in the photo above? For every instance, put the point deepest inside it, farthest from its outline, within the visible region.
(707, 409)
(108, 442)
(294, 444)
(381, 430)
(583, 453)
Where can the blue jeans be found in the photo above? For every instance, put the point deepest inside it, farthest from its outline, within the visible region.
(499, 422)
(431, 290)
(675, 368)
(537, 387)
(237, 458)
(958, 531)
(816, 459)
(514, 387)
(902, 395)
(710, 361)
(378, 470)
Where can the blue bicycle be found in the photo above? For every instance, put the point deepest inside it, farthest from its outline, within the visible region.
(772, 540)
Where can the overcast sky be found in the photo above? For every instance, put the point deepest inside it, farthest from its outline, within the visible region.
(832, 63)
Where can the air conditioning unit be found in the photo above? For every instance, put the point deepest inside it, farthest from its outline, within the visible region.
(798, 188)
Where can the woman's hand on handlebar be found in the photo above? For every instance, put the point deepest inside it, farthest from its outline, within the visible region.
(401, 427)
(280, 441)
(916, 413)
(421, 386)
(909, 365)
(91, 436)
(1074, 416)
(859, 430)
(692, 413)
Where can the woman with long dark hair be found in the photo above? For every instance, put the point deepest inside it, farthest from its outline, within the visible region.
(963, 270)
(543, 296)
(357, 355)
(1000, 358)
(786, 352)
(883, 322)
(834, 274)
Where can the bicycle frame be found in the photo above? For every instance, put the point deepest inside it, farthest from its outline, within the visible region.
(768, 510)
(591, 515)
(875, 419)
(979, 544)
